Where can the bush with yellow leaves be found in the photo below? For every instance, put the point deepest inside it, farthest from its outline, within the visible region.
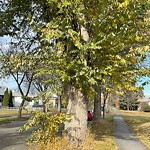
(44, 127)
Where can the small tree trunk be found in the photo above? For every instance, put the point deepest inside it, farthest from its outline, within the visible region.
(59, 104)
(20, 108)
(104, 107)
(103, 111)
(77, 108)
(44, 107)
(97, 108)
(128, 106)
(97, 104)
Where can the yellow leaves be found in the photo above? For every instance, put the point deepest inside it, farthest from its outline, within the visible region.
(65, 3)
(51, 33)
(123, 4)
(75, 37)
(130, 87)
(138, 38)
(47, 125)
(16, 62)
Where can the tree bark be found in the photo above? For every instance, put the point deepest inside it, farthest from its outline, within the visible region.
(77, 109)
(20, 108)
(97, 104)
(105, 95)
(59, 104)
(44, 107)
(97, 108)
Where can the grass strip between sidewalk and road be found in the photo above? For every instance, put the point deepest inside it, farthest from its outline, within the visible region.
(8, 119)
(102, 134)
(99, 137)
(140, 124)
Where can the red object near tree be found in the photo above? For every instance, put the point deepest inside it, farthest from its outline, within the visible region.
(90, 116)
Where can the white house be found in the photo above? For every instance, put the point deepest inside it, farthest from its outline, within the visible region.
(17, 99)
(2, 89)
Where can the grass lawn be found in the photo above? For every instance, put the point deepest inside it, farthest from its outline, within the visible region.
(10, 112)
(8, 115)
(140, 124)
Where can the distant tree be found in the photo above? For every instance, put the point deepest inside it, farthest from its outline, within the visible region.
(129, 100)
(6, 98)
(10, 99)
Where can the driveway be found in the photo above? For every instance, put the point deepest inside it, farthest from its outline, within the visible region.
(10, 138)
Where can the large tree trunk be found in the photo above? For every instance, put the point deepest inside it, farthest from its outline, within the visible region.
(77, 108)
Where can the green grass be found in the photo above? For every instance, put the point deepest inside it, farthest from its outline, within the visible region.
(8, 115)
(10, 112)
(140, 124)
(8, 120)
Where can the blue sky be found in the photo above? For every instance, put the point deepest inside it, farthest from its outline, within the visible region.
(8, 82)
(147, 90)
(146, 87)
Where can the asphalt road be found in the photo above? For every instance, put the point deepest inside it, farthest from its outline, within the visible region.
(124, 137)
(10, 138)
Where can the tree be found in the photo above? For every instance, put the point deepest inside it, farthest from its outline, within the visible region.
(10, 99)
(15, 64)
(84, 43)
(129, 100)
(6, 98)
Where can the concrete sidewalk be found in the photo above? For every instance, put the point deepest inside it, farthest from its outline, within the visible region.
(124, 137)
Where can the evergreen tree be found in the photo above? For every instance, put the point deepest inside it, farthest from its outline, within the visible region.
(6, 98)
(10, 99)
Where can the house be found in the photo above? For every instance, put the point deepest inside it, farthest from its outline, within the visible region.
(143, 102)
(17, 99)
(2, 89)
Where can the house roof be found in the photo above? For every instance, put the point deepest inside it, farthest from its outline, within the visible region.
(17, 94)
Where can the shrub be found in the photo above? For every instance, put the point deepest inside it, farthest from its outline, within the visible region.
(6, 98)
(46, 127)
(146, 108)
(10, 99)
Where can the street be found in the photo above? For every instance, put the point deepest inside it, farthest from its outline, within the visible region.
(10, 138)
